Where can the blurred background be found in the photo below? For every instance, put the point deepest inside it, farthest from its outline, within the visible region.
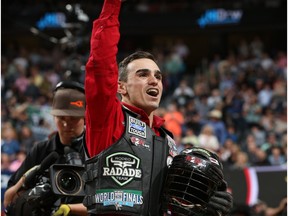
(225, 78)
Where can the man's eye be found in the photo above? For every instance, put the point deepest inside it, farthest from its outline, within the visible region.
(159, 77)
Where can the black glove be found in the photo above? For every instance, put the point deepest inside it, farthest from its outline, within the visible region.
(221, 203)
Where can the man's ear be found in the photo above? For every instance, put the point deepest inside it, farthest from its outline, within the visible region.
(121, 88)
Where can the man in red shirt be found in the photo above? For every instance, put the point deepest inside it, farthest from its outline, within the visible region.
(141, 89)
(129, 149)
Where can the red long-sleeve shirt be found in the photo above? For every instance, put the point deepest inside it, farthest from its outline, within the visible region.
(104, 115)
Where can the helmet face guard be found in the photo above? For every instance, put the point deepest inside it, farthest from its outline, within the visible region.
(192, 179)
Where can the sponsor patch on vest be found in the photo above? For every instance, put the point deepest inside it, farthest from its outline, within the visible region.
(119, 198)
(136, 127)
(122, 167)
(139, 142)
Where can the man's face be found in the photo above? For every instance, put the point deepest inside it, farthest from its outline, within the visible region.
(69, 127)
(144, 87)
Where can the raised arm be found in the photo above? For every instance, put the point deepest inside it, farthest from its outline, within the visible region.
(101, 79)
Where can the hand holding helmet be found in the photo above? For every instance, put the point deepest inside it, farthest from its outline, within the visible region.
(221, 202)
(195, 185)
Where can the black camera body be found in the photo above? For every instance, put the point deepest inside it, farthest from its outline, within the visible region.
(66, 179)
(50, 184)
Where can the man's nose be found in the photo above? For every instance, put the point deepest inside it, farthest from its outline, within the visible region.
(153, 79)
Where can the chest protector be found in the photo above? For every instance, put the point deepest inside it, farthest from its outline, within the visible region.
(127, 178)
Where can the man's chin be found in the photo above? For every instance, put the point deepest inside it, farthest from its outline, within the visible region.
(152, 107)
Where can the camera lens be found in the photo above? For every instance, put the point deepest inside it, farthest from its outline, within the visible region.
(68, 182)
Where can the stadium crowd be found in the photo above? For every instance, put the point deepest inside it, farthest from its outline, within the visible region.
(234, 105)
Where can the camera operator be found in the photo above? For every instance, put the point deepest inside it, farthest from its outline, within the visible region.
(68, 109)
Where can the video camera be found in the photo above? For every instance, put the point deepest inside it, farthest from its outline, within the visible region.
(45, 190)
(66, 179)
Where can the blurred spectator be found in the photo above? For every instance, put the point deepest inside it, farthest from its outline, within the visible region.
(52, 77)
(183, 94)
(271, 141)
(257, 157)
(207, 139)
(201, 104)
(215, 120)
(276, 156)
(15, 164)
(5, 161)
(194, 121)
(26, 137)
(234, 149)
(36, 77)
(174, 120)
(9, 141)
(231, 133)
(16, 111)
(22, 81)
(174, 67)
(281, 64)
(279, 98)
(226, 151)
(268, 120)
(190, 110)
(242, 160)
(190, 139)
(258, 134)
(252, 110)
(41, 130)
(226, 82)
(265, 95)
(266, 62)
(262, 158)
(280, 125)
(214, 99)
(233, 106)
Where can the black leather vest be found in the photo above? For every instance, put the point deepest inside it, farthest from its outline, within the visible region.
(127, 178)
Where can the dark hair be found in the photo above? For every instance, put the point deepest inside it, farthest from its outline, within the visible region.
(123, 73)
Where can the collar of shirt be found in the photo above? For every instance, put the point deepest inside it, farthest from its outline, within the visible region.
(157, 121)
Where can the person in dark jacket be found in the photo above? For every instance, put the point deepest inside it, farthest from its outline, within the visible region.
(68, 110)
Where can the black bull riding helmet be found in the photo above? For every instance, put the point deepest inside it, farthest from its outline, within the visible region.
(192, 179)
